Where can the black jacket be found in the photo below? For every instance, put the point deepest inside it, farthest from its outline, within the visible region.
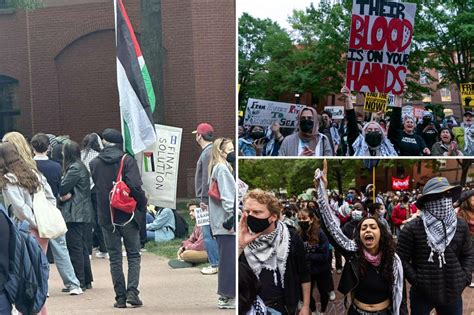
(297, 271)
(76, 181)
(104, 170)
(4, 248)
(438, 285)
(350, 273)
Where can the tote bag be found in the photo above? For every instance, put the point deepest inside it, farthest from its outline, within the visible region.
(49, 219)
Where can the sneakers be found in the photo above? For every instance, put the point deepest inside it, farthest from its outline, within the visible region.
(134, 300)
(225, 303)
(209, 270)
(332, 296)
(76, 291)
(471, 285)
(102, 255)
(120, 303)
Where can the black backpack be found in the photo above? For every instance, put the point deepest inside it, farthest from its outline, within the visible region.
(182, 227)
(27, 285)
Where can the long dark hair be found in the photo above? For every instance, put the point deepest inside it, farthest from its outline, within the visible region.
(249, 288)
(91, 142)
(11, 162)
(386, 246)
(314, 229)
(71, 154)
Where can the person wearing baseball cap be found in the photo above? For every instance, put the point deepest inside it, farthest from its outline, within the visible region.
(204, 136)
(436, 252)
(464, 134)
(205, 130)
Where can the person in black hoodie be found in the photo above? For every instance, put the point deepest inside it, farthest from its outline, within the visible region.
(436, 251)
(317, 253)
(5, 305)
(104, 170)
(275, 253)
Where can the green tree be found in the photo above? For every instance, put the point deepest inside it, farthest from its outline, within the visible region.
(260, 41)
(24, 4)
(445, 33)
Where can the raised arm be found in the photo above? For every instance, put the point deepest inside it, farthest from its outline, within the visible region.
(352, 128)
(330, 221)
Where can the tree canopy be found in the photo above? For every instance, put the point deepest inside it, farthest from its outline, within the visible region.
(311, 57)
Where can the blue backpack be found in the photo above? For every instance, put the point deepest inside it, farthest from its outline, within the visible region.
(27, 284)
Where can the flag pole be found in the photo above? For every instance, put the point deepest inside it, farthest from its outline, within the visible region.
(122, 130)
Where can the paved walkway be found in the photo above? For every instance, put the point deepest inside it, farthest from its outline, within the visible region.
(163, 290)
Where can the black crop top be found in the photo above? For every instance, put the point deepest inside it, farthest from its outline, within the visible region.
(373, 288)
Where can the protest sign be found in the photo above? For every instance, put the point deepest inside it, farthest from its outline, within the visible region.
(418, 112)
(407, 110)
(264, 113)
(337, 112)
(375, 102)
(243, 187)
(202, 217)
(159, 167)
(400, 183)
(467, 94)
(391, 100)
(379, 45)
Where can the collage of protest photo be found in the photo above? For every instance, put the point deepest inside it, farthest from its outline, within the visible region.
(355, 170)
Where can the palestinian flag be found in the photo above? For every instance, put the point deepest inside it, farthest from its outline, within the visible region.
(137, 98)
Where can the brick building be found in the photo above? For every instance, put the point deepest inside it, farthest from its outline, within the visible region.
(58, 71)
(419, 173)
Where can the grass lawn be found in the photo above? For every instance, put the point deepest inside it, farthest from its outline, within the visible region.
(169, 249)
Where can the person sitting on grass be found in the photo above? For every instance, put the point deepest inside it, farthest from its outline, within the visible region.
(161, 226)
(192, 250)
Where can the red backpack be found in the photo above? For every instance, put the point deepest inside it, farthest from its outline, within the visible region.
(120, 198)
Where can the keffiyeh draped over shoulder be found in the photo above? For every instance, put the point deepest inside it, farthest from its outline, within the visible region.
(362, 149)
(329, 217)
(270, 251)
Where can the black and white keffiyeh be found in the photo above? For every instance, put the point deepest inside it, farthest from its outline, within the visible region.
(270, 251)
(440, 224)
(258, 307)
(330, 219)
(361, 148)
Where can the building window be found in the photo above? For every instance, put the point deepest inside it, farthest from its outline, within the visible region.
(4, 4)
(424, 78)
(426, 98)
(7, 101)
(445, 95)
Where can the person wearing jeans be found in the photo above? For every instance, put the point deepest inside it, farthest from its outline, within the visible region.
(204, 136)
(115, 223)
(64, 266)
(113, 242)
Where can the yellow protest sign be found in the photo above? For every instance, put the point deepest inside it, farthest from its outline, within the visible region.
(375, 102)
(467, 94)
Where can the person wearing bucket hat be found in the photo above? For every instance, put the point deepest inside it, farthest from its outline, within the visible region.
(466, 211)
(436, 251)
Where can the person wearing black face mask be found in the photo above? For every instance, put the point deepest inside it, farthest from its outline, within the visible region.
(246, 143)
(263, 245)
(371, 141)
(306, 141)
(317, 254)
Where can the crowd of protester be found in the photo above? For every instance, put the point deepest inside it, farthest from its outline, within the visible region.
(289, 247)
(378, 134)
(78, 180)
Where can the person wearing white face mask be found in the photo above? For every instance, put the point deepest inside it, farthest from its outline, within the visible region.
(377, 210)
(436, 252)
